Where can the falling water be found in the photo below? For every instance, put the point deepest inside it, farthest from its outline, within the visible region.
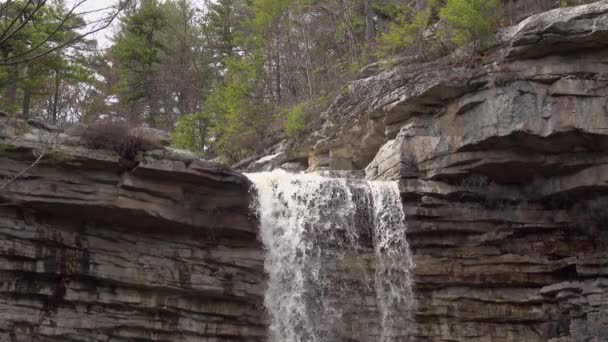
(337, 258)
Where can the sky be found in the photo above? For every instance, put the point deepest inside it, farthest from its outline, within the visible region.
(103, 37)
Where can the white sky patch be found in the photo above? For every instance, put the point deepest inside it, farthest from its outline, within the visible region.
(103, 37)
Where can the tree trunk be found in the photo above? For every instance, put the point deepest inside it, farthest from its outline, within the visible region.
(11, 87)
(370, 28)
(27, 97)
(278, 70)
(202, 128)
(55, 109)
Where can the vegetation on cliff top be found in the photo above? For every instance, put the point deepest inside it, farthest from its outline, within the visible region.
(226, 77)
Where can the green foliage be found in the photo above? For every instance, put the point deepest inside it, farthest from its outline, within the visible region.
(191, 132)
(235, 117)
(408, 32)
(411, 30)
(229, 77)
(226, 24)
(268, 12)
(36, 71)
(185, 135)
(393, 11)
(163, 65)
(471, 20)
(295, 119)
(137, 50)
(570, 3)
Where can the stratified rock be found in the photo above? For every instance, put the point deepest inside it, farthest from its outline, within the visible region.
(277, 157)
(93, 249)
(560, 52)
(502, 162)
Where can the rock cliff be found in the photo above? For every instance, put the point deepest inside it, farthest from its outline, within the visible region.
(97, 248)
(503, 169)
(502, 160)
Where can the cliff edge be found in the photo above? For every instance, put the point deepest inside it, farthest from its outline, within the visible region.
(94, 247)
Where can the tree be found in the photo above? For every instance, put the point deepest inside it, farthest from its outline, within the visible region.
(137, 53)
(471, 20)
(408, 30)
(225, 27)
(64, 97)
(237, 116)
(295, 119)
(220, 75)
(19, 18)
(269, 55)
(41, 50)
(165, 65)
(192, 133)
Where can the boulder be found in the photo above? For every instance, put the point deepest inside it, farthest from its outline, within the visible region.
(155, 136)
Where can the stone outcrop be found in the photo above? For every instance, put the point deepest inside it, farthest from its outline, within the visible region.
(97, 248)
(503, 170)
(503, 166)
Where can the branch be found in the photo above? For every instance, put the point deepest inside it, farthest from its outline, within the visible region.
(15, 19)
(4, 37)
(49, 145)
(59, 27)
(7, 62)
(10, 181)
(4, 6)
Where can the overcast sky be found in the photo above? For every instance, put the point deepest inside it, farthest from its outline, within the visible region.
(103, 37)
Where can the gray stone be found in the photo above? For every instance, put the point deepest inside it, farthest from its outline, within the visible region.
(155, 136)
(92, 250)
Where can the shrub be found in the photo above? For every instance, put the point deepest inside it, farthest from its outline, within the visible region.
(295, 119)
(471, 20)
(411, 30)
(237, 120)
(116, 136)
(191, 132)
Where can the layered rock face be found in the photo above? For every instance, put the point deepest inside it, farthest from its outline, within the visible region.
(94, 247)
(503, 169)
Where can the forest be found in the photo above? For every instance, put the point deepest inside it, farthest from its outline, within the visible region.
(226, 78)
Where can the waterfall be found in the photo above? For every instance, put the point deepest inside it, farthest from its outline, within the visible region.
(337, 258)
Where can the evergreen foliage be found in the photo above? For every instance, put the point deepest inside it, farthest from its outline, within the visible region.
(409, 31)
(226, 77)
(190, 132)
(295, 119)
(471, 20)
(33, 68)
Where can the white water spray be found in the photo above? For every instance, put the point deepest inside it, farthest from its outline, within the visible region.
(337, 257)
